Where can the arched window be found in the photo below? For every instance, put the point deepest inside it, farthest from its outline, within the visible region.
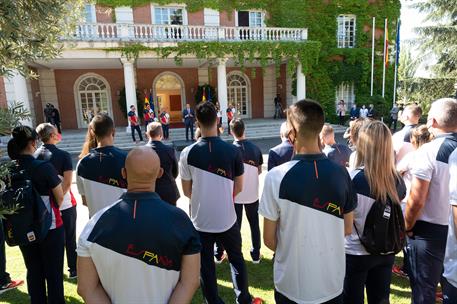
(93, 96)
(238, 93)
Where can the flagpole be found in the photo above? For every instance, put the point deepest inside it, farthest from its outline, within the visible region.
(384, 61)
(372, 54)
(397, 55)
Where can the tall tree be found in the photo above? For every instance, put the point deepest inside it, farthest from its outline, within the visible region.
(440, 39)
(30, 30)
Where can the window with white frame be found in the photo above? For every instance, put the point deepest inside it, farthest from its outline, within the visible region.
(211, 17)
(168, 15)
(346, 31)
(89, 13)
(345, 91)
(124, 14)
(255, 19)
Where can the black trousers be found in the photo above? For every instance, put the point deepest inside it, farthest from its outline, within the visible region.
(69, 222)
(138, 129)
(228, 126)
(449, 292)
(394, 122)
(44, 263)
(425, 250)
(189, 127)
(281, 299)
(166, 131)
(231, 240)
(4, 276)
(252, 213)
(372, 271)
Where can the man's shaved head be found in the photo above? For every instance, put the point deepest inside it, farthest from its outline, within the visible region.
(142, 168)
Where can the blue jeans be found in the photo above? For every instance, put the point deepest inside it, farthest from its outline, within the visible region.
(425, 252)
(372, 271)
(231, 240)
(252, 213)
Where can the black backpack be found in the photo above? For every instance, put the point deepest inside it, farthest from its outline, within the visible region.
(384, 230)
(31, 222)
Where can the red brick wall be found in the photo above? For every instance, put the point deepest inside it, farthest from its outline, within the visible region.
(3, 102)
(257, 99)
(104, 14)
(145, 80)
(142, 14)
(196, 18)
(65, 81)
(227, 18)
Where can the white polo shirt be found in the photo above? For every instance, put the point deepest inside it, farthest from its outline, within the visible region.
(308, 197)
(99, 178)
(137, 245)
(212, 165)
(252, 158)
(450, 259)
(431, 164)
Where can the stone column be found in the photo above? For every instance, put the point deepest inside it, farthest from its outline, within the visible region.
(222, 87)
(301, 83)
(22, 95)
(129, 82)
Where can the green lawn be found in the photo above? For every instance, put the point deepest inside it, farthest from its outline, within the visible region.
(260, 279)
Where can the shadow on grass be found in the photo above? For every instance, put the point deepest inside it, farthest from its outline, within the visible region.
(15, 296)
(260, 276)
(73, 300)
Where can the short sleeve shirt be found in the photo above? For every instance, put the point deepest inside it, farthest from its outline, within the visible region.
(432, 165)
(133, 118)
(44, 178)
(308, 197)
(99, 178)
(144, 253)
(61, 160)
(252, 159)
(212, 165)
(365, 201)
(450, 259)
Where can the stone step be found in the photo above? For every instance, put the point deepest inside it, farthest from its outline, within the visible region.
(73, 140)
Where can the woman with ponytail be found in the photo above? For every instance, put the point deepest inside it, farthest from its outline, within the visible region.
(43, 260)
(375, 179)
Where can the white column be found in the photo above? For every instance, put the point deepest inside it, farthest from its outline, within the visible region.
(222, 86)
(22, 95)
(301, 83)
(129, 82)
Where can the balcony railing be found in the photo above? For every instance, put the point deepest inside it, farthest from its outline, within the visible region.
(175, 33)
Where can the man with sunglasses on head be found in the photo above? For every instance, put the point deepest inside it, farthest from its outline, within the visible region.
(307, 206)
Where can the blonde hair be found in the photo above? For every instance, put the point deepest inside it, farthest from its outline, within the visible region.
(89, 143)
(420, 135)
(154, 129)
(375, 152)
(327, 129)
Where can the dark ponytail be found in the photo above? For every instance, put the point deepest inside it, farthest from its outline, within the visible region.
(21, 137)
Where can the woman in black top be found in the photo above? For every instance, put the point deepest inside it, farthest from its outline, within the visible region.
(43, 260)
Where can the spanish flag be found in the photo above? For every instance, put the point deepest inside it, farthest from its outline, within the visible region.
(204, 94)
